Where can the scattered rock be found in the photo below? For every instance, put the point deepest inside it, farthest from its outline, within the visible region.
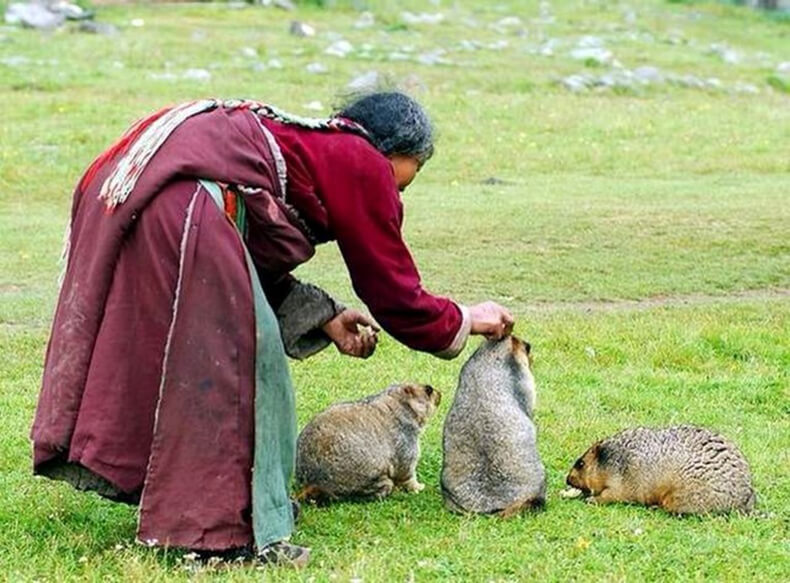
(783, 68)
(15, 61)
(727, 54)
(137, 22)
(70, 11)
(249, 52)
(434, 57)
(317, 68)
(398, 56)
(748, 88)
(598, 55)
(196, 75)
(648, 74)
(314, 106)
(339, 48)
(365, 20)
(545, 16)
(92, 27)
(274, 64)
(422, 18)
(301, 29)
(589, 42)
(33, 15)
(364, 82)
(284, 4)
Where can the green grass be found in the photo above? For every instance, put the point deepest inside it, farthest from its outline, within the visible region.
(641, 240)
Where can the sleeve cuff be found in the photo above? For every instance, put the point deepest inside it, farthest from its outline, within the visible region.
(301, 315)
(458, 343)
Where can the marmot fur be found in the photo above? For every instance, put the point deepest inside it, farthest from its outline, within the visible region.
(365, 448)
(684, 469)
(491, 462)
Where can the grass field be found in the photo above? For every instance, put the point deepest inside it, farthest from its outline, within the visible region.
(640, 235)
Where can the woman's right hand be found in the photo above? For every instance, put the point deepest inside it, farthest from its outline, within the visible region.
(491, 320)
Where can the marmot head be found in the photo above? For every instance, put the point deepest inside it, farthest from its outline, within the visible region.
(591, 472)
(421, 399)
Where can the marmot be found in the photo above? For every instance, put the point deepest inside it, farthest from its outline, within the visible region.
(684, 469)
(365, 448)
(491, 462)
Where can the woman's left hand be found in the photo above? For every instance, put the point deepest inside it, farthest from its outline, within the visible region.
(353, 333)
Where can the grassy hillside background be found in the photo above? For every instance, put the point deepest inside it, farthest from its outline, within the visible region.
(638, 230)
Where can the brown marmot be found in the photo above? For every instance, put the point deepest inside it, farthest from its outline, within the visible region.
(364, 449)
(684, 469)
(491, 462)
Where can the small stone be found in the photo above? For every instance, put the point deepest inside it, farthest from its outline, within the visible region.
(137, 22)
(783, 68)
(433, 58)
(33, 15)
(314, 106)
(578, 82)
(364, 82)
(249, 52)
(498, 45)
(301, 29)
(339, 48)
(589, 41)
(727, 54)
(598, 55)
(15, 61)
(589, 351)
(648, 74)
(365, 20)
(284, 4)
(398, 56)
(274, 64)
(163, 76)
(748, 88)
(317, 68)
(70, 11)
(196, 75)
(422, 18)
(93, 27)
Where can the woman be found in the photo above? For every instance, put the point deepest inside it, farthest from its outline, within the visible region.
(165, 382)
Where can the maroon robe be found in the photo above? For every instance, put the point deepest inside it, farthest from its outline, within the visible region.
(103, 404)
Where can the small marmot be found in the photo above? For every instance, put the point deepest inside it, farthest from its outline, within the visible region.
(491, 462)
(684, 469)
(366, 448)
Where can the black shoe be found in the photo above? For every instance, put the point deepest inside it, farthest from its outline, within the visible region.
(283, 554)
(238, 555)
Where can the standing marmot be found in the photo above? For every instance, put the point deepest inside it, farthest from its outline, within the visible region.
(683, 469)
(367, 447)
(491, 462)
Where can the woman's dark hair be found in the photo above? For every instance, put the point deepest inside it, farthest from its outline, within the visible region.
(395, 122)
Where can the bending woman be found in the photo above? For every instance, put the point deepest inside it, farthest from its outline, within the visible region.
(165, 382)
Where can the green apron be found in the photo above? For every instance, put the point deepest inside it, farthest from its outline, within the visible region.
(275, 411)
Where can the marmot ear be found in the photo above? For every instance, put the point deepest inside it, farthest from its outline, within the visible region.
(602, 454)
(410, 390)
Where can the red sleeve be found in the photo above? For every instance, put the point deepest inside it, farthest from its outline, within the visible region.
(365, 215)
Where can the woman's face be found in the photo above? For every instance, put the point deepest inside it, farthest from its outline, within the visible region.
(405, 168)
